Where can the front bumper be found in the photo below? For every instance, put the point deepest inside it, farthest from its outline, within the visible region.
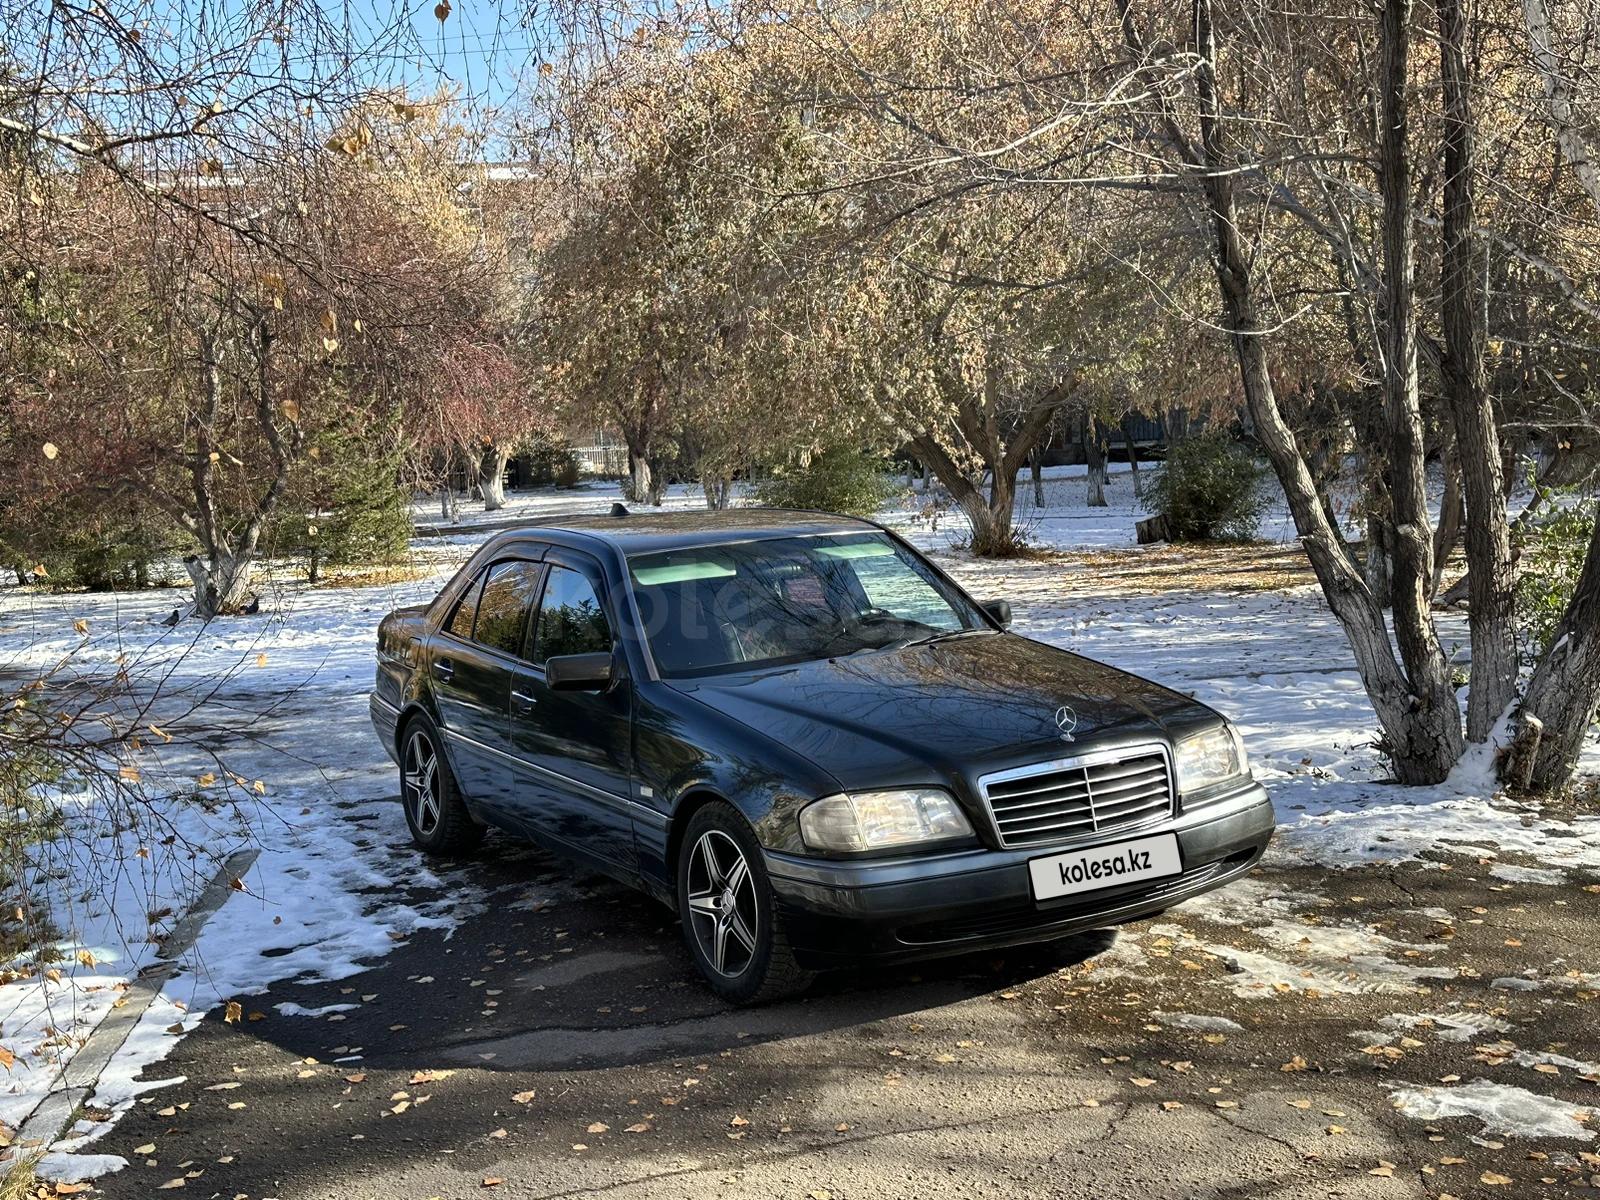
(836, 913)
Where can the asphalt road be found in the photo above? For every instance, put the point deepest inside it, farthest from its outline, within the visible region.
(557, 1042)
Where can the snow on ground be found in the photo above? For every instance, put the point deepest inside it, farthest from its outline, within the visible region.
(1504, 1110)
(281, 697)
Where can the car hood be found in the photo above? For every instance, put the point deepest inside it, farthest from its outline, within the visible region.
(948, 710)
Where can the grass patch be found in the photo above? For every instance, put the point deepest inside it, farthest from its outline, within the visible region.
(375, 576)
(19, 1181)
(1236, 567)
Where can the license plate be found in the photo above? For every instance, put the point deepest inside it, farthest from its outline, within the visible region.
(1105, 866)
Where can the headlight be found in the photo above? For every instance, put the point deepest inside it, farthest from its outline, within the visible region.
(1214, 756)
(882, 820)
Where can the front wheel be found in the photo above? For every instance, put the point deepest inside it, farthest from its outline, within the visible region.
(435, 813)
(730, 921)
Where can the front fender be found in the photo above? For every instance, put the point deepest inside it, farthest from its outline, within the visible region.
(685, 751)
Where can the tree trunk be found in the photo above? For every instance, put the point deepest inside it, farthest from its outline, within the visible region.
(449, 504)
(1094, 453)
(1424, 737)
(493, 468)
(989, 516)
(1491, 578)
(639, 484)
(718, 491)
(221, 583)
(221, 577)
(1564, 691)
(1379, 570)
(1036, 468)
(1558, 92)
(1128, 420)
(1423, 658)
(1452, 515)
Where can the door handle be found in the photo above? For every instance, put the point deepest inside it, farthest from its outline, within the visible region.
(524, 699)
(442, 667)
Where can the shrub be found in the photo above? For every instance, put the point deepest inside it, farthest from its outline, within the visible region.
(551, 463)
(354, 511)
(1552, 544)
(1209, 489)
(27, 818)
(840, 479)
(83, 541)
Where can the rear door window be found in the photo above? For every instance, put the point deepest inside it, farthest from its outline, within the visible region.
(508, 594)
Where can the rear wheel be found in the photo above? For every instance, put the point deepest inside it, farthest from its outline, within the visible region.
(437, 817)
(730, 920)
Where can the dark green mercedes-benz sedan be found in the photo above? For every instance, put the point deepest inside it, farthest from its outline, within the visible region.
(806, 739)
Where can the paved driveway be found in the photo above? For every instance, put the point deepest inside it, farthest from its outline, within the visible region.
(557, 1043)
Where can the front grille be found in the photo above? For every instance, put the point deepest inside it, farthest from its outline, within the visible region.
(1080, 797)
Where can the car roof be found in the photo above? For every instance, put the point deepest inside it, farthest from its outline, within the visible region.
(639, 532)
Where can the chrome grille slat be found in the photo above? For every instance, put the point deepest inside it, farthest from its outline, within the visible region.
(1056, 797)
(1080, 799)
(1142, 784)
(1051, 788)
(1097, 776)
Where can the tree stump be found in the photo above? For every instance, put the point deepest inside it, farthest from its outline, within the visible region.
(1153, 529)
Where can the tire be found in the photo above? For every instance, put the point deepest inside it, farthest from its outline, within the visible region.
(435, 813)
(745, 958)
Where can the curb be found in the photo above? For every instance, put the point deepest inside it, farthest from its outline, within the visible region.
(77, 1079)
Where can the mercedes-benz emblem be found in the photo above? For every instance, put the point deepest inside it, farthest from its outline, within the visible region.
(1066, 722)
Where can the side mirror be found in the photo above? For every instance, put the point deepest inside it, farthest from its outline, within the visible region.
(1000, 610)
(579, 672)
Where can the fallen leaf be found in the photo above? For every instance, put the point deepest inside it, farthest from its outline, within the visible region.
(146, 1150)
(597, 1127)
(233, 1012)
(641, 1127)
(492, 1181)
(1494, 1179)
(524, 1097)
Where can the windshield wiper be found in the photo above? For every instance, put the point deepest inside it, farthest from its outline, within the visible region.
(942, 635)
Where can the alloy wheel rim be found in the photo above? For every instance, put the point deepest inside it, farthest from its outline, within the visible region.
(421, 777)
(722, 903)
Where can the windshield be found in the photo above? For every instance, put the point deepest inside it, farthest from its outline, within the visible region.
(785, 600)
